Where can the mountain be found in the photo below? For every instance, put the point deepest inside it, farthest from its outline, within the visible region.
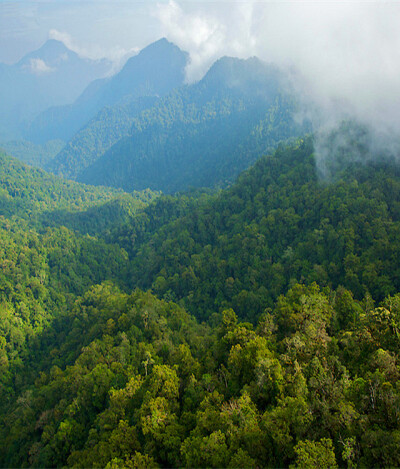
(52, 75)
(155, 71)
(110, 125)
(199, 135)
(257, 325)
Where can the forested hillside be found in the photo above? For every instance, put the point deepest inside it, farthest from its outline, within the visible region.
(44, 265)
(47, 200)
(31, 153)
(200, 135)
(111, 124)
(278, 225)
(270, 336)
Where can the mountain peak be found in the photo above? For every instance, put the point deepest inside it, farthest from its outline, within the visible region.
(157, 49)
(161, 56)
(50, 52)
(53, 49)
(229, 66)
(161, 42)
(244, 74)
(53, 45)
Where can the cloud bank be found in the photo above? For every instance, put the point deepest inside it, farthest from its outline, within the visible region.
(346, 54)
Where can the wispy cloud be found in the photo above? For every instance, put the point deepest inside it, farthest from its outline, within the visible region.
(92, 28)
(38, 67)
(115, 53)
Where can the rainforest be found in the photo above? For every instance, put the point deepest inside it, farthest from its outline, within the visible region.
(194, 273)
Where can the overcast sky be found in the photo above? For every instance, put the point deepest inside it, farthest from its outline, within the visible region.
(348, 52)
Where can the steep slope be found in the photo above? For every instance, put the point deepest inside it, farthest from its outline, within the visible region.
(46, 200)
(52, 75)
(33, 153)
(203, 134)
(110, 125)
(155, 71)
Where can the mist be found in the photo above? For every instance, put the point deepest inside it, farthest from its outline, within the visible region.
(344, 58)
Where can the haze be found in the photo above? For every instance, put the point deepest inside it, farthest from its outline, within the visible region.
(347, 53)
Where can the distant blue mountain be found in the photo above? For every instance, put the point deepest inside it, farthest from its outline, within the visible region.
(52, 75)
(202, 134)
(155, 71)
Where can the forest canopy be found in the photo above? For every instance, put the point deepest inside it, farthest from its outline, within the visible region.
(256, 326)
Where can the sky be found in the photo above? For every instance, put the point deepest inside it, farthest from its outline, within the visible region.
(347, 52)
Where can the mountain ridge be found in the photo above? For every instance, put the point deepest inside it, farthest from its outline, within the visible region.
(142, 75)
(201, 134)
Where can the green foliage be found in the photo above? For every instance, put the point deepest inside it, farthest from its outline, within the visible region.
(25, 190)
(182, 142)
(31, 153)
(44, 269)
(200, 135)
(315, 454)
(111, 124)
(46, 200)
(95, 375)
(134, 381)
(276, 226)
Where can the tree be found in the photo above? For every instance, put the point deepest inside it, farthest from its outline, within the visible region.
(310, 454)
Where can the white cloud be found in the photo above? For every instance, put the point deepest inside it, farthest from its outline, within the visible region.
(347, 53)
(117, 54)
(39, 67)
(63, 37)
(207, 31)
